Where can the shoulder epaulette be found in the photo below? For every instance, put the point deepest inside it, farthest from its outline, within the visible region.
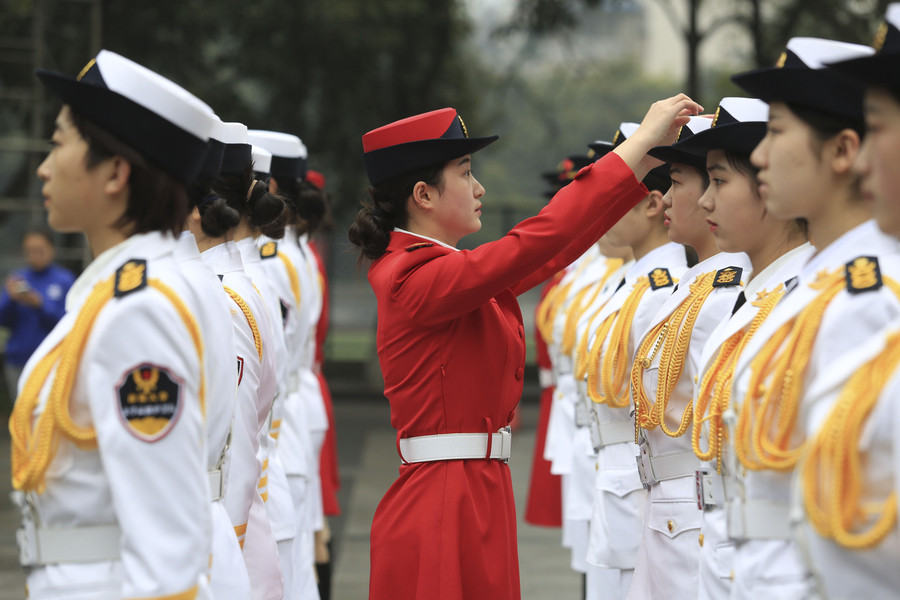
(131, 277)
(862, 274)
(418, 246)
(660, 278)
(268, 250)
(727, 277)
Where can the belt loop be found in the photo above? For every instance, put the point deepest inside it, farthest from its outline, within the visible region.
(397, 442)
(490, 437)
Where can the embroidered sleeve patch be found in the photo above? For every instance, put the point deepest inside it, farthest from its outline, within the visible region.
(727, 277)
(862, 274)
(131, 277)
(660, 278)
(268, 250)
(149, 401)
(419, 246)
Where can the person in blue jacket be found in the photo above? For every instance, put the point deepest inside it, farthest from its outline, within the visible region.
(33, 300)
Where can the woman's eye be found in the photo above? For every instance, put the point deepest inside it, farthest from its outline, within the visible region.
(718, 182)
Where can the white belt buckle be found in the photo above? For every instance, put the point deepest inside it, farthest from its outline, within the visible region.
(505, 443)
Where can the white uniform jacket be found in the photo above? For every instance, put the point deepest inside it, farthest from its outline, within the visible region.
(228, 574)
(138, 385)
(842, 572)
(716, 549)
(619, 495)
(758, 501)
(667, 560)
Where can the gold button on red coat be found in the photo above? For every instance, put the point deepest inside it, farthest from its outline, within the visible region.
(519, 373)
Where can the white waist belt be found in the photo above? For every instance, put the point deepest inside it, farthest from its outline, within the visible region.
(759, 520)
(610, 432)
(456, 446)
(546, 378)
(44, 546)
(654, 469)
(216, 485)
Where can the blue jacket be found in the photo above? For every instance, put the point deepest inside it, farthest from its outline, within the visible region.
(28, 326)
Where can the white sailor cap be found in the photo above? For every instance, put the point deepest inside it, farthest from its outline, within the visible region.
(237, 154)
(159, 119)
(800, 77)
(289, 154)
(262, 160)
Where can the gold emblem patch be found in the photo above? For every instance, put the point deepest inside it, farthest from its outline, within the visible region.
(616, 137)
(463, 125)
(268, 250)
(779, 64)
(880, 36)
(131, 277)
(862, 274)
(418, 246)
(727, 277)
(85, 69)
(716, 116)
(660, 278)
(149, 401)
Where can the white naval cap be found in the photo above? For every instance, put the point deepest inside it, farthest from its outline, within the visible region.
(155, 116)
(289, 154)
(262, 160)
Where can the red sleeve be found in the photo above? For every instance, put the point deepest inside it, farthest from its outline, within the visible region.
(435, 286)
(322, 325)
(543, 356)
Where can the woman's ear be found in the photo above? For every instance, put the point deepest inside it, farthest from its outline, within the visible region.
(653, 204)
(118, 172)
(843, 150)
(421, 196)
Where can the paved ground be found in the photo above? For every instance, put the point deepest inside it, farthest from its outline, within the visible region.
(368, 466)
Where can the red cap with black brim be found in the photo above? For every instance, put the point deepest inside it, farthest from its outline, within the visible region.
(416, 142)
(160, 120)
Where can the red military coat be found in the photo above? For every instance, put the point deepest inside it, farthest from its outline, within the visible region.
(452, 350)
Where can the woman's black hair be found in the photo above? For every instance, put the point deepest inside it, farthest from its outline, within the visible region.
(156, 201)
(306, 202)
(826, 125)
(386, 209)
(264, 210)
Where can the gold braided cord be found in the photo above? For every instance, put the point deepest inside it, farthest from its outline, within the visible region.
(615, 360)
(714, 397)
(675, 338)
(573, 314)
(292, 276)
(543, 311)
(832, 471)
(583, 353)
(251, 320)
(592, 363)
(32, 452)
(643, 358)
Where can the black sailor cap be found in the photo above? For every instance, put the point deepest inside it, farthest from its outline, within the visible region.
(677, 153)
(288, 152)
(881, 69)
(738, 126)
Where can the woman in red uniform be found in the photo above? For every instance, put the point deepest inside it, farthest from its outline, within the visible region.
(451, 342)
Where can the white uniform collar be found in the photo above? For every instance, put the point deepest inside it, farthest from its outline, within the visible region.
(186, 247)
(141, 245)
(425, 237)
(851, 244)
(249, 250)
(659, 255)
(762, 278)
(223, 258)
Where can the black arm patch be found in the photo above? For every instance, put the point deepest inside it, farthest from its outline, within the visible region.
(863, 275)
(660, 278)
(727, 277)
(131, 277)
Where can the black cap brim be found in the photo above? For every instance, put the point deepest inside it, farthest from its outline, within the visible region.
(678, 154)
(824, 90)
(385, 163)
(164, 144)
(878, 70)
(737, 138)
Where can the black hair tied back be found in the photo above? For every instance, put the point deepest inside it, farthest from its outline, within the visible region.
(266, 210)
(216, 217)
